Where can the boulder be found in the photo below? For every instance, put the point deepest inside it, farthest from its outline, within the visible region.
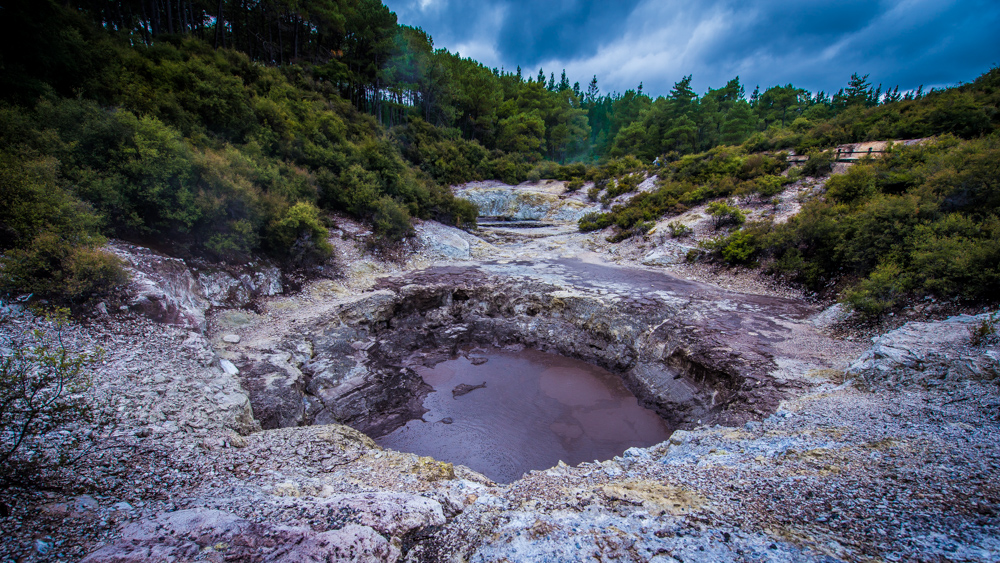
(392, 514)
(667, 255)
(162, 288)
(239, 286)
(276, 388)
(929, 354)
(204, 534)
(525, 202)
(442, 241)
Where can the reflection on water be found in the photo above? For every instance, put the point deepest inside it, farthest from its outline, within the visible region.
(535, 410)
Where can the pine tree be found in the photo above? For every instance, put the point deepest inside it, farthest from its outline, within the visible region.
(563, 82)
(592, 91)
(859, 90)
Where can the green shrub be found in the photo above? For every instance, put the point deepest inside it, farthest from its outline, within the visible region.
(853, 187)
(880, 291)
(510, 168)
(48, 418)
(638, 229)
(768, 186)
(594, 221)
(618, 167)
(624, 185)
(679, 230)
(237, 243)
(300, 235)
(391, 221)
(574, 185)
(56, 268)
(739, 248)
(463, 213)
(820, 163)
(725, 214)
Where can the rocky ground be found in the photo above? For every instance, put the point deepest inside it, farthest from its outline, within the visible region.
(851, 451)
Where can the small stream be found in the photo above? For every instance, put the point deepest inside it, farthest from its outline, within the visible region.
(535, 410)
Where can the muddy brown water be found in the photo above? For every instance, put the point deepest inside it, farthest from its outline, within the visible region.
(535, 410)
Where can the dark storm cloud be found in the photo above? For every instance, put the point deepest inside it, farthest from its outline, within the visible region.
(814, 45)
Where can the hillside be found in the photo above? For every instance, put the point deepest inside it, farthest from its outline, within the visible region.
(227, 141)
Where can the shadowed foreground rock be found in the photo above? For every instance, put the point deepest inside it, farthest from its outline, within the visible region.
(364, 527)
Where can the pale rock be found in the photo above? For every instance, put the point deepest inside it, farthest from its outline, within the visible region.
(525, 202)
(238, 286)
(929, 354)
(228, 367)
(201, 533)
(394, 514)
(162, 287)
(667, 255)
(442, 241)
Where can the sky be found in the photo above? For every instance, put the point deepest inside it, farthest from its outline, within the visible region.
(812, 44)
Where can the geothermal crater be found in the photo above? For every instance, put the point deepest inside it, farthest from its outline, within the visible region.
(691, 353)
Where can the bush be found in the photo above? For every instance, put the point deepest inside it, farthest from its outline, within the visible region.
(300, 235)
(624, 185)
(726, 214)
(880, 291)
(679, 230)
(820, 163)
(390, 220)
(854, 186)
(47, 418)
(638, 229)
(594, 194)
(768, 186)
(55, 268)
(574, 185)
(594, 222)
(739, 248)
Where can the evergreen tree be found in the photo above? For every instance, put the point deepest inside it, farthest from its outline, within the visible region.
(593, 92)
(859, 91)
(563, 82)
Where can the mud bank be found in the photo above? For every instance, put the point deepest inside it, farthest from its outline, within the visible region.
(693, 353)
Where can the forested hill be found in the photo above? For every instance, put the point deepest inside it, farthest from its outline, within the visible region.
(226, 128)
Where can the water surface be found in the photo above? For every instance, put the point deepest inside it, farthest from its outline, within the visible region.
(535, 410)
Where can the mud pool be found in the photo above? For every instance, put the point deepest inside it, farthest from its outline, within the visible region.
(535, 410)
